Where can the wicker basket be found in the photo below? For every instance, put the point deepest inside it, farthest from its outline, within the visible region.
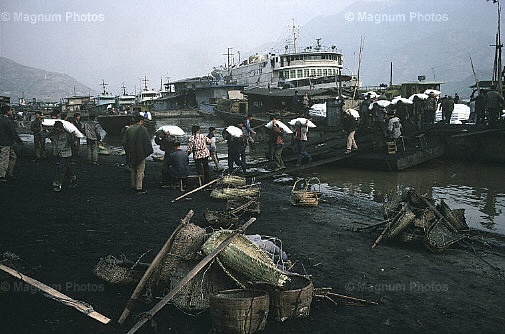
(306, 192)
(235, 193)
(195, 295)
(245, 257)
(253, 204)
(239, 311)
(186, 244)
(233, 180)
(294, 300)
(115, 271)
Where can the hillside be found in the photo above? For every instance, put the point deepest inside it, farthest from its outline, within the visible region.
(438, 49)
(19, 80)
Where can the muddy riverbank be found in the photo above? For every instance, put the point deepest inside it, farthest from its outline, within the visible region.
(61, 236)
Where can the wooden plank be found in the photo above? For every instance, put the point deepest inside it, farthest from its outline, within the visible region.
(62, 298)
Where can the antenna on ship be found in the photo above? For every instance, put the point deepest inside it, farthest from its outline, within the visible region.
(145, 80)
(228, 54)
(103, 84)
(294, 36)
(124, 89)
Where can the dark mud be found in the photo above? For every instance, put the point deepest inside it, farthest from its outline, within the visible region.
(61, 236)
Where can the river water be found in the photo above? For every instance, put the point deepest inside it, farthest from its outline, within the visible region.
(476, 187)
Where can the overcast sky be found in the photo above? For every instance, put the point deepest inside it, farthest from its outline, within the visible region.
(123, 41)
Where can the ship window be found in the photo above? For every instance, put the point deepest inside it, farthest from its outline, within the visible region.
(286, 74)
(299, 73)
(325, 72)
(292, 74)
(306, 73)
(319, 72)
(312, 72)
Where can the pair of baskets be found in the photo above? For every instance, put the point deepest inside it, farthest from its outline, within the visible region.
(306, 192)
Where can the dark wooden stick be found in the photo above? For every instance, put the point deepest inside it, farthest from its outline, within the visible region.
(188, 277)
(57, 295)
(386, 229)
(159, 257)
(195, 190)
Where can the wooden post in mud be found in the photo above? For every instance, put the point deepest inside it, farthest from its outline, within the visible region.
(188, 278)
(57, 295)
(196, 189)
(159, 257)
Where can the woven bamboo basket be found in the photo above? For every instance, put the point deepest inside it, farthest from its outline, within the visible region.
(220, 218)
(244, 257)
(115, 271)
(233, 180)
(195, 295)
(294, 300)
(186, 244)
(235, 193)
(253, 205)
(239, 311)
(306, 192)
(440, 236)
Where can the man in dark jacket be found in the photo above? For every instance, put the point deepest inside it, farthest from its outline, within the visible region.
(38, 139)
(8, 137)
(166, 143)
(178, 164)
(493, 104)
(447, 109)
(138, 147)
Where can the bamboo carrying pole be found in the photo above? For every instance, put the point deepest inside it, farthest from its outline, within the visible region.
(195, 190)
(188, 277)
(159, 257)
(62, 298)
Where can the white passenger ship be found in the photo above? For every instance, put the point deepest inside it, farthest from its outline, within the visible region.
(313, 66)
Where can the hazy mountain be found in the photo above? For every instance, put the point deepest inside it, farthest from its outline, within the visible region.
(432, 38)
(18, 80)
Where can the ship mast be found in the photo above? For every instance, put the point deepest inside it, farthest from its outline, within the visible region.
(497, 68)
(228, 55)
(145, 80)
(124, 89)
(103, 84)
(294, 36)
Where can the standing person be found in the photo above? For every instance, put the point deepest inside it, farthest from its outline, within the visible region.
(279, 145)
(213, 148)
(138, 146)
(350, 124)
(430, 108)
(39, 141)
(394, 127)
(234, 148)
(243, 144)
(418, 112)
(178, 164)
(62, 150)
(447, 109)
(8, 137)
(76, 146)
(198, 146)
(271, 141)
(249, 132)
(493, 104)
(306, 104)
(301, 133)
(456, 98)
(167, 145)
(93, 138)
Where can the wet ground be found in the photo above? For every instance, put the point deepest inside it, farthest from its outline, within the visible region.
(61, 236)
